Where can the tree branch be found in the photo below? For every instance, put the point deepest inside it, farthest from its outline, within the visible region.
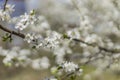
(13, 32)
(5, 5)
(74, 39)
(88, 44)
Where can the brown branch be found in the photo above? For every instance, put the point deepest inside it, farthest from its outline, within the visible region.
(79, 40)
(88, 44)
(74, 39)
(13, 32)
(5, 5)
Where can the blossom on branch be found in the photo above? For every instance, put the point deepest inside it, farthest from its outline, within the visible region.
(26, 20)
(5, 15)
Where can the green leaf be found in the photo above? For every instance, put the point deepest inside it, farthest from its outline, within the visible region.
(65, 36)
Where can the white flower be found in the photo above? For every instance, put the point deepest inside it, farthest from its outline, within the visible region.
(29, 38)
(74, 33)
(20, 25)
(9, 8)
(51, 41)
(69, 66)
(25, 21)
(5, 15)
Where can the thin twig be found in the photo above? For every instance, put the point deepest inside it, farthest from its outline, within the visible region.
(5, 5)
(99, 47)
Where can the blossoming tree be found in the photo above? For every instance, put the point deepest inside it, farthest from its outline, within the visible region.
(93, 40)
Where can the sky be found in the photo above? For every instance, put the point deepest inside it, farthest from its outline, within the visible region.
(20, 7)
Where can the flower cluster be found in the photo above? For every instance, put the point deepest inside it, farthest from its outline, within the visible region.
(67, 69)
(70, 67)
(52, 40)
(5, 14)
(26, 20)
(29, 38)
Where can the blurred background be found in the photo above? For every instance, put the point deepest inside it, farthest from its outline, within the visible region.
(59, 14)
